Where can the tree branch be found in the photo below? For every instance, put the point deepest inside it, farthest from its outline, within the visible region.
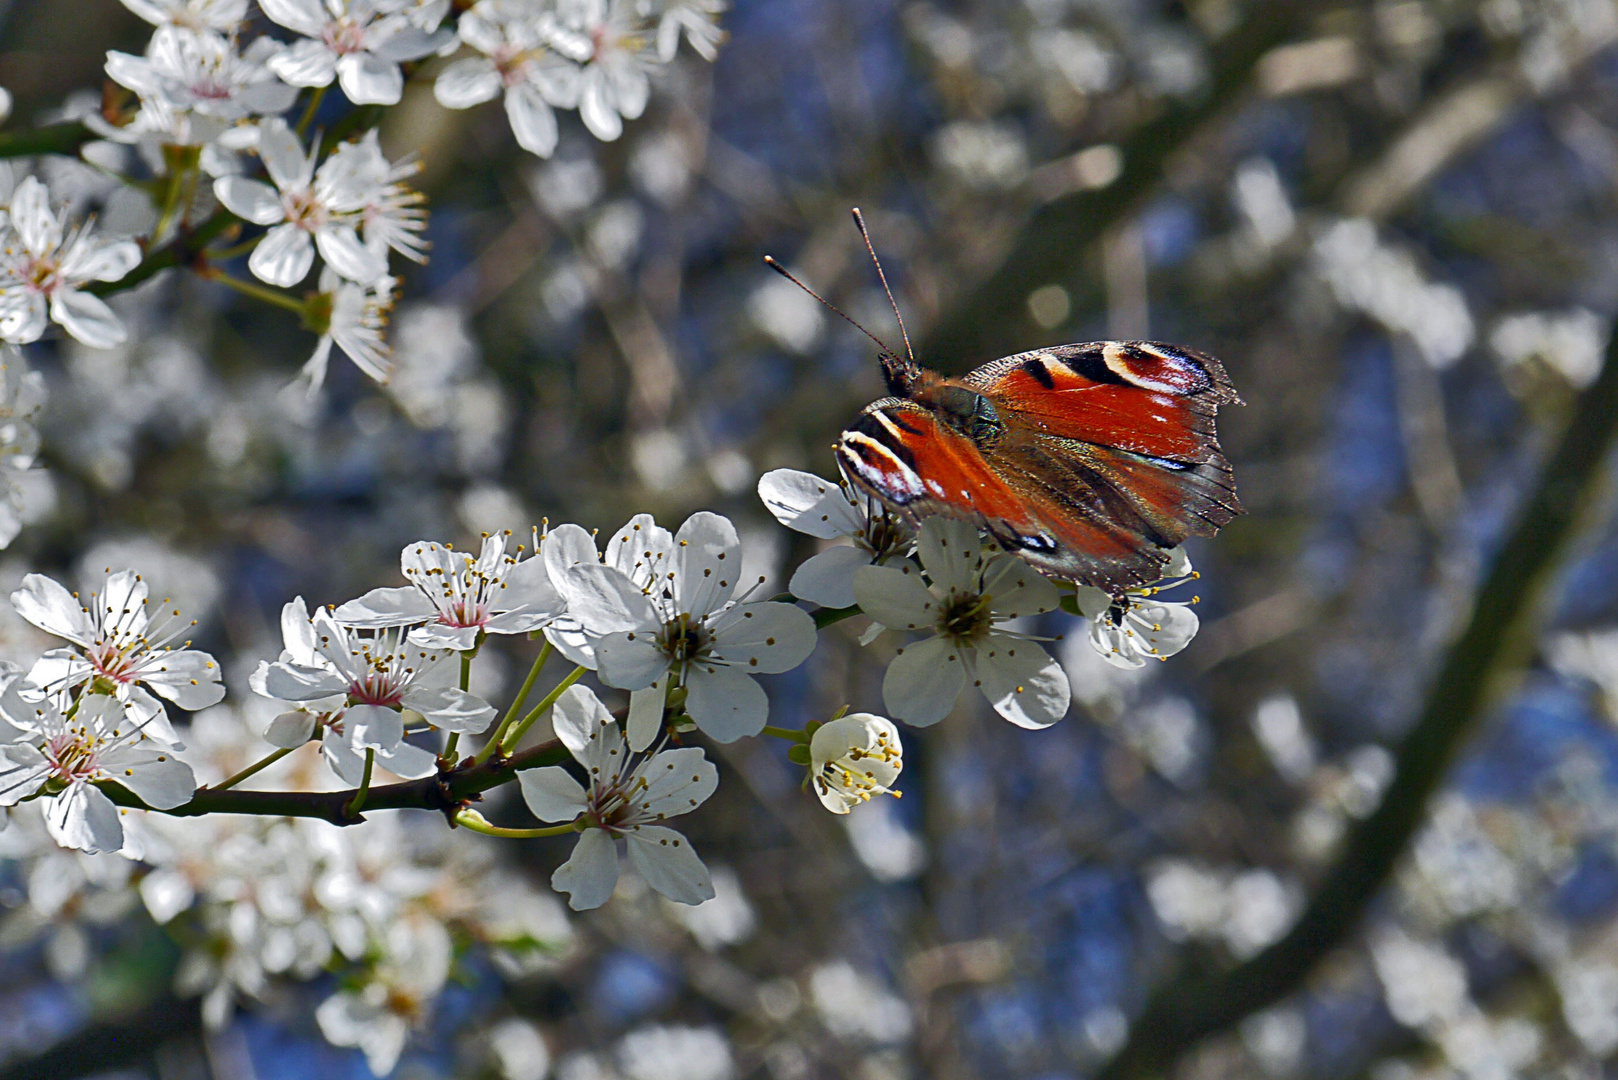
(50, 139)
(184, 250)
(444, 791)
(1480, 665)
(1054, 241)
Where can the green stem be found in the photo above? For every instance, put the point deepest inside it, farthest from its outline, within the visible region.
(309, 112)
(51, 139)
(786, 733)
(262, 763)
(826, 616)
(236, 250)
(357, 803)
(466, 678)
(471, 819)
(257, 292)
(184, 250)
(514, 736)
(516, 704)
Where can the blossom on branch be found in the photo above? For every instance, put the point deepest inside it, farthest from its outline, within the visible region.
(220, 15)
(610, 40)
(514, 39)
(829, 511)
(44, 266)
(453, 597)
(628, 795)
(122, 649)
(60, 757)
(968, 594)
(676, 612)
(359, 43)
(1131, 629)
(193, 84)
(396, 996)
(351, 317)
(853, 758)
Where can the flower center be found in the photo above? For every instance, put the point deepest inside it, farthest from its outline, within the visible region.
(42, 274)
(112, 662)
(71, 758)
(966, 618)
(464, 611)
(303, 209)
(379, 687)
(683, 639)
(344, 36)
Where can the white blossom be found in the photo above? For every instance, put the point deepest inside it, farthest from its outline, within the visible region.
(378, 1017)
(453, 597)
(193, 84)
(966, 598)
(358, 317)
(44, 266)
(359, 43)
(392, 215)
(1131, 629)
(699, 19)
(832, 511)
(514, 39)
(220, 15)
(122, 648)
(356, 693)
(682, 619)
(628, 795)
(607, 36)
(64, 757)
(852, 758)
(309, 209)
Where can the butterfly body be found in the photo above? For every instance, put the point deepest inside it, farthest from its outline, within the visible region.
(1088, 460)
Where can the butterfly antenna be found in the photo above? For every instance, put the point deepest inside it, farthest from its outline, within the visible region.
(859, 219)
(769, 260)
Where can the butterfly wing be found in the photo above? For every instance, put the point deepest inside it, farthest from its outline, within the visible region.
(900, 452)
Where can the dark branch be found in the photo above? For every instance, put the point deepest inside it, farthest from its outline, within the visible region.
(184, 250)
(1489, 653)
(444, 791)
(50, 139)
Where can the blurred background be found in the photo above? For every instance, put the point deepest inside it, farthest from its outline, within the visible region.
(1393, 221)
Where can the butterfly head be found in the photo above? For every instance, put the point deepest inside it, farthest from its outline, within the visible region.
(901, 372)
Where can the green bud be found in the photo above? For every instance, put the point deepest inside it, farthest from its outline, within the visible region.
(676, 697)
(317, 312)
(798, 754)
(103, 685)
(1070, 604)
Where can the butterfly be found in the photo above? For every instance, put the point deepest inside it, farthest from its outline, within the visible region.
(1090, 460)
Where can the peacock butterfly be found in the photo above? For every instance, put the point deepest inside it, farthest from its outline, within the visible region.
(1088, 460)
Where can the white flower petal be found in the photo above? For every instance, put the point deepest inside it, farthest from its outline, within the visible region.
(161, 780)
(951, 551)
(283, 257)
(437, 636)
(1021, 681)
(307, 63)
(409, 762)
(188, 677)
(604, 601)
(642, 550)
(53, 609)
(769, 637)
(923, 681)
(87, 318)
(590, 872)
(1018, 589)
(283, 155)
(450, 708)
(677, 782)
(629, 660)
(291, 729)
(645, 721)
(597, 112)
(296, 682)
(250, 200)
(373, 727)
(347, 254)
(579, 719)
(39, 229)
(809, 504)
(552, 794)
(895, 597)
(707, 560)
(667, 862)
(83, 817)
(724, 702)
(382, 608)
(533, 124)
(827, 578)
(368, 79)
(307, 17)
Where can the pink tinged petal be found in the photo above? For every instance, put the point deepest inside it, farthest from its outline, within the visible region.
(707, 562)
(590, 873)
(951, 551)
(283, 155)
(450, 708)
(374, 727)
(604, 601)
(188, 677)
(307, 17)
(645, 721)
(36, 226)
(768, 637)
(923, 681)
(291, 730)
(598, 115)
(533, 124)
(53, 609)
(1018, 589)
(808, 504)
(1021, 681)
(308, 63)
(250, 200)
(83, 817)
(437, 636)
(552, 794)
(161, 780)
(724, 702)
(677, 782)
(367, 79)
(283, 257)
(345, 253)
(667, 862)
(895, 597)
(579, 719)
(87, 318)
(467, 82)
(629, 660)
(296, 682)
(382, 608)
(827, 578)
